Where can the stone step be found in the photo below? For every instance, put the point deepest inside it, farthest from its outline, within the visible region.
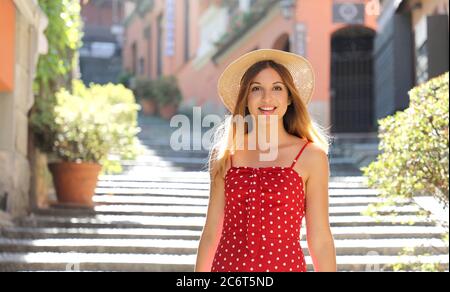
(163, 175)
(139, 170)
(96, 262)
(135, 188)
(114, 221)
(169, 152)
(364, 232)
(195, 163)
(165, 151)
(150, 200)
(176, 160)
(100, 233)
(117, 185)
(180, 210)
(337, 150)
(142, 199)
(203, 177)
(176, 263)
(199, 190)
(388, 232)
(181, 247)
(173, 158)
(127, 192)
(348, 171)
(164, 145)
(196, 223)
(66, 245)
(374, 262)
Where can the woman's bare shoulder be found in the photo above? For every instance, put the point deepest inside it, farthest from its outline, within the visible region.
(316, 159)
(215, 166)
(312, 158)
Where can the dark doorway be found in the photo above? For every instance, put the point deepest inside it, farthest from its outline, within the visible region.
(352, 96)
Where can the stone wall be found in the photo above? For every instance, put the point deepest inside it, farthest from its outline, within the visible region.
(14, 108)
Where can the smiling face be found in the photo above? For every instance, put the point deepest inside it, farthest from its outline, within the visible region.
(268, 95)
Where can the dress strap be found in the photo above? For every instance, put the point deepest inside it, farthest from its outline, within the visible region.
(298, 155)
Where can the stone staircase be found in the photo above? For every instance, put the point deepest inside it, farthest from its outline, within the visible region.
(150, 219)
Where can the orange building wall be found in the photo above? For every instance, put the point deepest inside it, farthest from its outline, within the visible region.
(202, 85)
(7, 41)
(134, 33)
(177, 62)
(318, 17)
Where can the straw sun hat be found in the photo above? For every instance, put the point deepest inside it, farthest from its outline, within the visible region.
(300, 69)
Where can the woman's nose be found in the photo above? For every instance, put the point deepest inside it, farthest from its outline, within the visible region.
(267, 95)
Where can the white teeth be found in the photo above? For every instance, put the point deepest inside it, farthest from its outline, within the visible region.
(267, 108)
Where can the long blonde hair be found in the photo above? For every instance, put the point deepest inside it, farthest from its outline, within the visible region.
(297, 120)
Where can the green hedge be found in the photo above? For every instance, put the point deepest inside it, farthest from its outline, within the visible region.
(414, 146)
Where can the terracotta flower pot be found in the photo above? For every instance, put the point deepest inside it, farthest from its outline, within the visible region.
(75, 182)
(148, 107)
(168, 111)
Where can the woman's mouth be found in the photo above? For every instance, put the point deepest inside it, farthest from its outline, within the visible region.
(267, 110)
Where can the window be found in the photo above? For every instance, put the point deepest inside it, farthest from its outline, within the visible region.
(134, 57)
(141, 66)
(159, 46)
(148, 38)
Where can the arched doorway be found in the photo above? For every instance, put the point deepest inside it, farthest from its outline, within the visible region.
(352, 97)
(282, 43)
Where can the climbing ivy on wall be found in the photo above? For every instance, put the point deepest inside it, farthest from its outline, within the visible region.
(55, 69)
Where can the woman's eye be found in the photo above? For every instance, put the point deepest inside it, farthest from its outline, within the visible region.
(278, 88)
(255, 88)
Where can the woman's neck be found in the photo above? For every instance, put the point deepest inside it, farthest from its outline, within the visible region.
(268, 135)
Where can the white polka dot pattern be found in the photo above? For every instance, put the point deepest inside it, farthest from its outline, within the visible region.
(264, 210)
(261, 229)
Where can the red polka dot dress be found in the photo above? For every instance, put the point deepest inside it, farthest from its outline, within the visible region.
(264, 209)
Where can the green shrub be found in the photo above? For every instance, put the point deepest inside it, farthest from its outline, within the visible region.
(93, 123)
(146, 89)
(125, 78)
(417, 264)
(414, 146)
(167, 91)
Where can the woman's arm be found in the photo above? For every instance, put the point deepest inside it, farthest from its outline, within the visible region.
(318, 233)
(213, 226)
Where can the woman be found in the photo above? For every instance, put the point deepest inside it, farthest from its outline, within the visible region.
(257, 205)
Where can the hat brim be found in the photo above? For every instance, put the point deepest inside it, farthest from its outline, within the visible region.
(300, 68)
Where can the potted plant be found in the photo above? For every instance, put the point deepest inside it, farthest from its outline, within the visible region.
(90, 125)
(145, 92)
(168, 95)
(125, 78)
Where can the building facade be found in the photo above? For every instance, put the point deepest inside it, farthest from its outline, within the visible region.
(21, 34)
(196, 40)
(411, 47)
